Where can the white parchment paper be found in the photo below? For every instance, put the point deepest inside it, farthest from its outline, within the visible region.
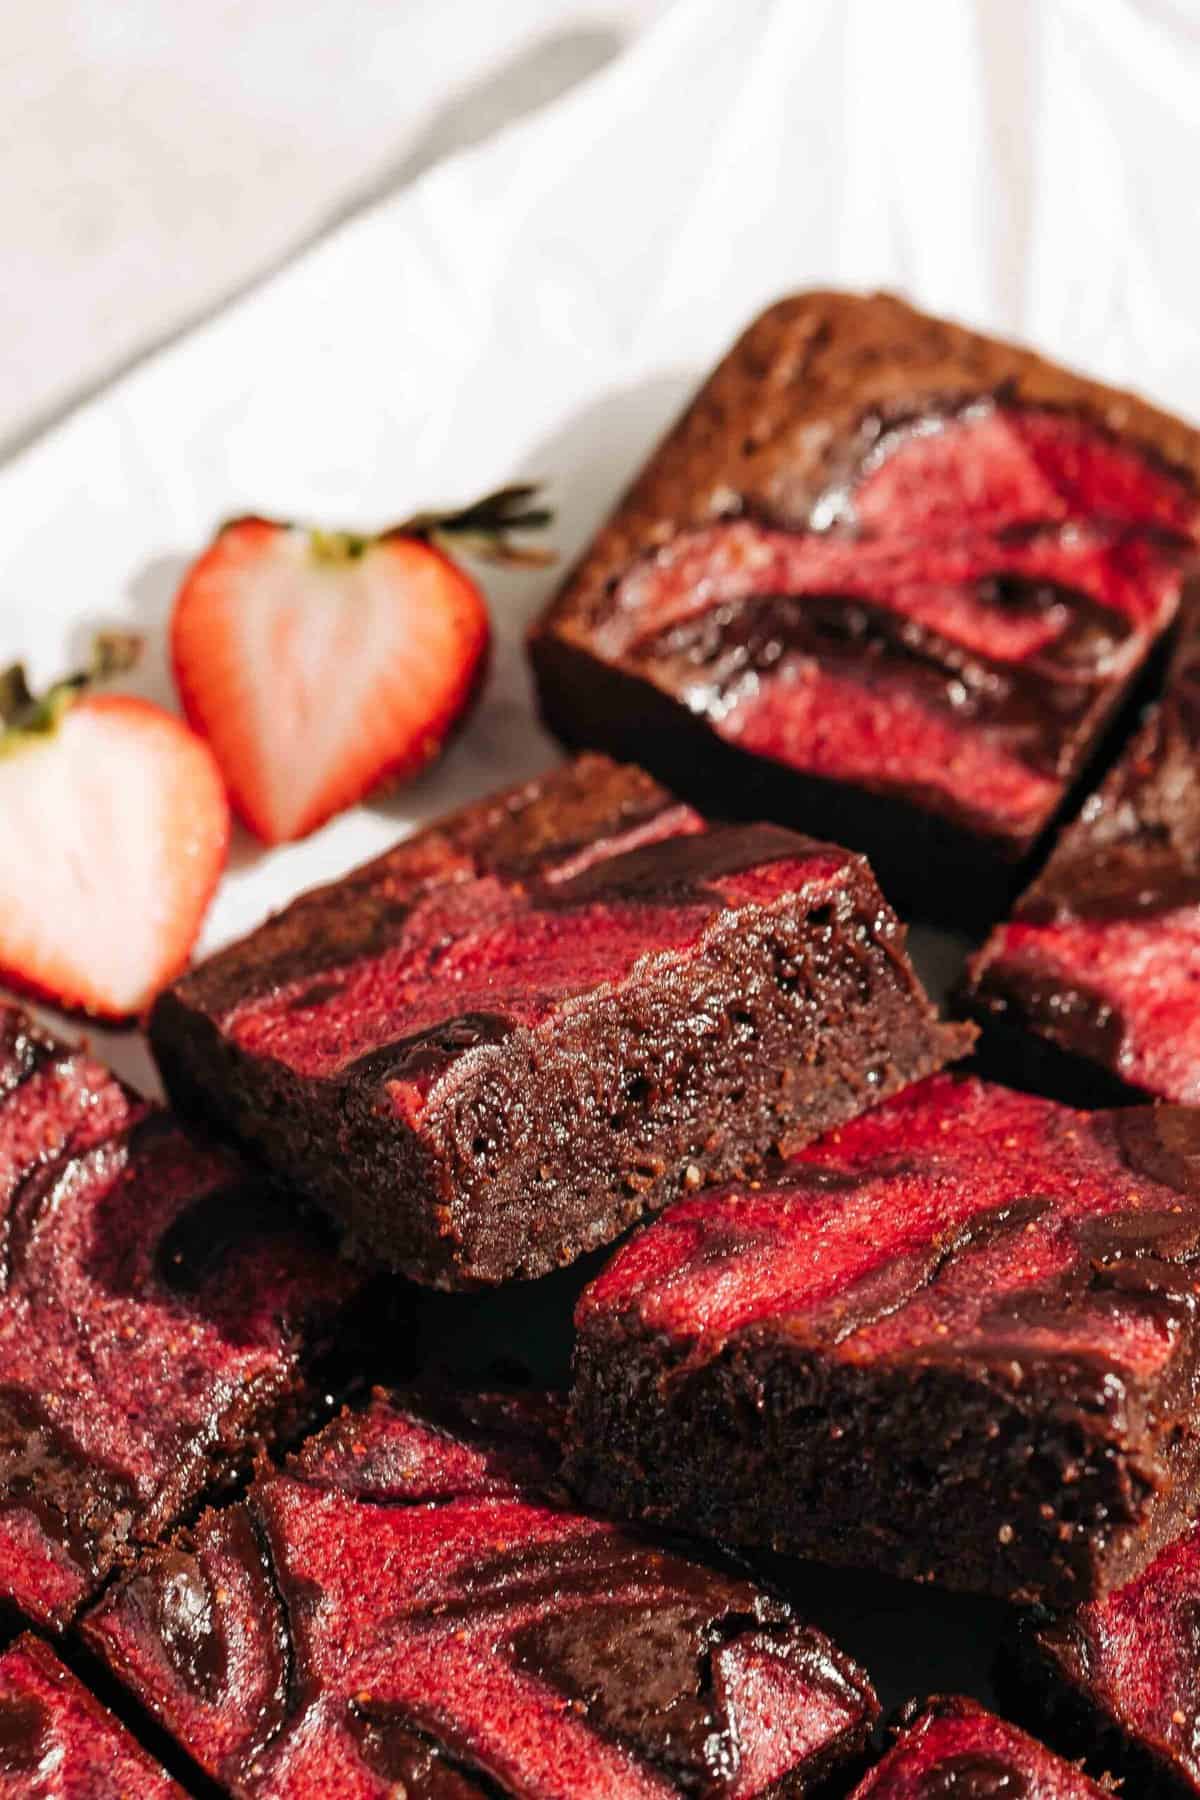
(542, 306)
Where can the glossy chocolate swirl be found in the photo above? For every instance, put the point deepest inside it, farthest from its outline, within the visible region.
(1036, 704)
(974, 1775)
(24, 1734)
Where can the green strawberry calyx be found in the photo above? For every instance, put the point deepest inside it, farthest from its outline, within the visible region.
(27, 718)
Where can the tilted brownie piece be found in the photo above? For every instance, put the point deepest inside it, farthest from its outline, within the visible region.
(1097, 974)
(955, 1340)
(153, 1309)
(1124, 1671)
(58, 1743)
(886, 579)
(951, 1749)
(497, 1045)
(408, 1609)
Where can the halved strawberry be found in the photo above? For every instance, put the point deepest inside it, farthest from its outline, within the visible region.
(113, 828)
(319, 664)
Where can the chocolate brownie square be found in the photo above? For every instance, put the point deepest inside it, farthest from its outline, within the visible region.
(1123, 1672)
(497, 1045)
(409, 1607)
(1093, 986)
(955, 1340)
(155, 1309)
(58, 1743)
(953, 1748)
(886, 579)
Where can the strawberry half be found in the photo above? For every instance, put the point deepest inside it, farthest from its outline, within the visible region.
(114, 825)
(319, 664)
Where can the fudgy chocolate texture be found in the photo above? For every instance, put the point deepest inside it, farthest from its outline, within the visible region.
(497, 1045)
(955, 1340)
(154, 1310)
(58, 1743)
(886, 578)
(1121, 1675)
(1096, 977)
(952, 1749)
(406, 1609)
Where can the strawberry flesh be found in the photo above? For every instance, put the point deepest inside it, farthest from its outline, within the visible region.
(320, 665)
(116, 825)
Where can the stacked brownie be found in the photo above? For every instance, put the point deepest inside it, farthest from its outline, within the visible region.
(502, 1042)
(888, 581)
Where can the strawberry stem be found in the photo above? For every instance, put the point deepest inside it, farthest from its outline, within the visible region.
(484, 529)
(337, 546)
(26, 716)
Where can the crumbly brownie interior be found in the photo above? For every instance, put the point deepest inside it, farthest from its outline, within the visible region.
(952, 1476)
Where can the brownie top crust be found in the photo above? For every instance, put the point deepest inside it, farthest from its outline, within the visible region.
(58, 1743)
(441, 1444)
(958, 1221)
(402, 1606)
(1130, 1659)
(952, 1749)
(1102, 954)
(488, 923)
(587, 807)
(153, 1302)
(813, 386)
(1135, 850)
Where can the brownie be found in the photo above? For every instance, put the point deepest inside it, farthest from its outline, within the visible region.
(887, 579)
(956, 1341)
(1093, 985)
(952, 1747)
(495, 1046)
(409, 1608)
(58, 1743)
(154, 1309)
(1123, 1671)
